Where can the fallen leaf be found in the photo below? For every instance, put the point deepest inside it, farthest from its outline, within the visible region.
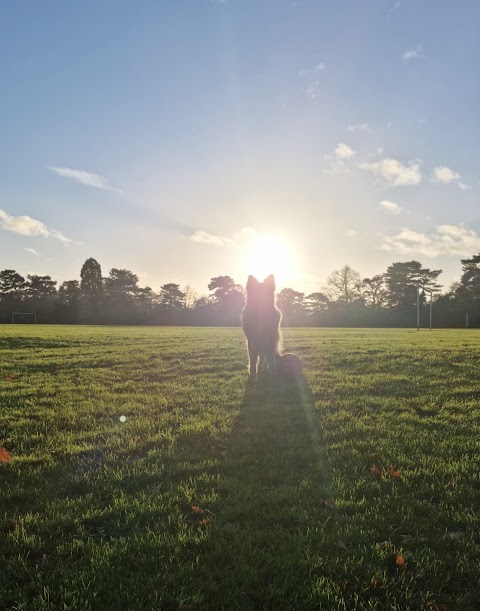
(341, 583)
(10, 378)
(394, 473)
(376, 471)
(456, 535)
(400, 562)
(376, 582)
(5, 455)
(206, 521)
(384, 544)
(197, 510)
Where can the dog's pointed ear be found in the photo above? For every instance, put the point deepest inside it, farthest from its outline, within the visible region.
(252, 281)
(270, 280)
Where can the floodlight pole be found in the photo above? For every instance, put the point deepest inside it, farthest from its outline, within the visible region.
(418, 308)
(431, 296)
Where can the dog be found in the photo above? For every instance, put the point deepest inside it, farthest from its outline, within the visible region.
(261, 324)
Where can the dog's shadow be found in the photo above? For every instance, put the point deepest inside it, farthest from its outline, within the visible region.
(275, 452)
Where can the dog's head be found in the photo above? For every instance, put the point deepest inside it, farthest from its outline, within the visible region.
(261, 293)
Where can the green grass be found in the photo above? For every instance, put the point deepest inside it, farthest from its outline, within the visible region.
(97, 514)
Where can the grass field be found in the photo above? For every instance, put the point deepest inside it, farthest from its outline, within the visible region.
(357, 488)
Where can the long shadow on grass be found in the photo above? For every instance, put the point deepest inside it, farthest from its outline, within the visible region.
(273, 488)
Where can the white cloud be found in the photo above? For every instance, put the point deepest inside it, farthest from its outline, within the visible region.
(309, 71)
(25, 225)
(351, 233)
(85, 178)
(445, 175)
(33, 252)
(394, 172)
(358, 127)
(343, 151)
(341, 154)
(391, 207)
(445, 240)
(414, 53)
(393, 10)
(203, 237)
(313, 89)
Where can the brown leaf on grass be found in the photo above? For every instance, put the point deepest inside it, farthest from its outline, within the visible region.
(341, 583)
(197, 510)
(10, 378)
(376, 471)
(376, 582)
(206, 521)
(394, 473)
(5, 455)
(400, 562)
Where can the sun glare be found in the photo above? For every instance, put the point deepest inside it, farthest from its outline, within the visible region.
(269, 255)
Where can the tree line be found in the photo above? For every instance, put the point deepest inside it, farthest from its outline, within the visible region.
(384, 300)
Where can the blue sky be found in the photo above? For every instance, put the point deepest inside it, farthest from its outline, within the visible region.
(169, 136)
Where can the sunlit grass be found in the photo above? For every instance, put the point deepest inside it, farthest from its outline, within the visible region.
(310, 492)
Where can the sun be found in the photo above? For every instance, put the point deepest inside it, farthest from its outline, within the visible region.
(269, 255)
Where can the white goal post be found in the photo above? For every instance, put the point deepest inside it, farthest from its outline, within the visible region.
(24, 318)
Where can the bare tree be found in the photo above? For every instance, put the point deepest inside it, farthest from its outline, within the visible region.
(344, 284)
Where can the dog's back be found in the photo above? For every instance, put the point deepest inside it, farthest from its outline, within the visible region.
(261, 322)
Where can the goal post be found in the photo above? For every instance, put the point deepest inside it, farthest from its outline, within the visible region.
(26, 318)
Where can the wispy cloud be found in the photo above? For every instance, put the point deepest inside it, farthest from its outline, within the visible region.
(204, 237)
(33, 252)
(339, 158)
(313, 88)
(25, 225)
(391, 207)
(445, 240)
(304, 72)
(414, 53)
(358, 127)
(395, 7)
(445, 175)
(85, 178)
(395, 173)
